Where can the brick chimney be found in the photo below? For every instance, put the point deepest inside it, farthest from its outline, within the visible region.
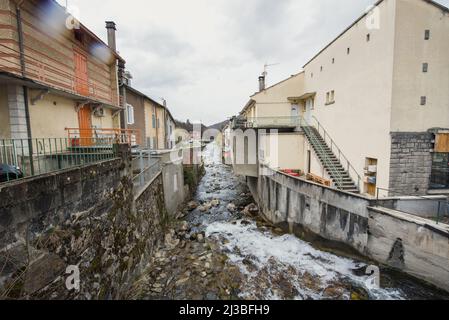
(261, 83)
(110, 26)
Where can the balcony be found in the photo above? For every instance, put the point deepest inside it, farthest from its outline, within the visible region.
(94, 138)
(266, 122)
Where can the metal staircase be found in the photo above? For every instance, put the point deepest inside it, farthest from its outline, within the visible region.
(332, 162)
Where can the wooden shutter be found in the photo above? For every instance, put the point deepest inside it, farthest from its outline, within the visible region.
(81, 77)
(442, 142)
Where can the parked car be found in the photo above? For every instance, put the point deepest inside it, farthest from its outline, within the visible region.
(9, 172)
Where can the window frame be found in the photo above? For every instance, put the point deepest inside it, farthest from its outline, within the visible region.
(130, 119)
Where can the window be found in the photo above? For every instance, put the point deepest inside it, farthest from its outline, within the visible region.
(321, 68)
(368, 37)
(153, 121)
(348, 51)
(79, 35)
(311, 75)
(130, 114)
(330, 97)
(439, 178)
(333, 60)
(423, 100)
(425, 67)
(427, 35)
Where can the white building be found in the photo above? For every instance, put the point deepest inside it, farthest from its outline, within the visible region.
(370, 110)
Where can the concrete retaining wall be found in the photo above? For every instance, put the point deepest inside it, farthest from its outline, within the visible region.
(430, 208)
(410, 244)
(347, 221)
(174, 191)
(330, 213)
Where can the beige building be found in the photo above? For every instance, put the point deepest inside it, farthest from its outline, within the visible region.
(373, 105)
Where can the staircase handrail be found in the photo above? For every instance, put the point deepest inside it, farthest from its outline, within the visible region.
(327, 161)
(340, 153)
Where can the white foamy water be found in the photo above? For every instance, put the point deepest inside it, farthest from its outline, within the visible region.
(267, 261)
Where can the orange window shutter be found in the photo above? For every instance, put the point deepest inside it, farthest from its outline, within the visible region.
(442, 142)
(81, 76)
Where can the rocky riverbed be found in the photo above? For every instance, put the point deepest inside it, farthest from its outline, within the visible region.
(219, 248)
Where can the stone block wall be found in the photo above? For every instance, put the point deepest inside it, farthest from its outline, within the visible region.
(85, 217)
(411, 163)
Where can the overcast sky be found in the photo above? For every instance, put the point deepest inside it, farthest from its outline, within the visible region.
(204, 56)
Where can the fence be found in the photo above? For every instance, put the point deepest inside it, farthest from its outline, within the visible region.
(425, 207)
(108, 136)
(21, 158)
(145, 167)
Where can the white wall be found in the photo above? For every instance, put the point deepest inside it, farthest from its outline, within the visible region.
(273, 102)
(413, 17)
(283, 150)
(359, 120)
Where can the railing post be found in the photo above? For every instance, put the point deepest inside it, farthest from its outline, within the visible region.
(438, 214)
(142, 180)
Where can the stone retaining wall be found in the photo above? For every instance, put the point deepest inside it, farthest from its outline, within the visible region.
(86, 217)
(411, 163)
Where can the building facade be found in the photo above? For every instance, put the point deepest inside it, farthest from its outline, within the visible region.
(56, 80)
(369, 122)
(152, 120)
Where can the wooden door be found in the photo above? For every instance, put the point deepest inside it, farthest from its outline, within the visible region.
(85, 125)
(81, 77)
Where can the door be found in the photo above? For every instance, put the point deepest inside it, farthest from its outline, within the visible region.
(309, 107)
(81, 77)
(85, 125)
(295, 114)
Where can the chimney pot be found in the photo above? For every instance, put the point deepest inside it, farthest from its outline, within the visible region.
(261, 83)
(111, 27)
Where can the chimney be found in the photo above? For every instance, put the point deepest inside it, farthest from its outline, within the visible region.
(110, 26)
(261, 83)
(127, 77)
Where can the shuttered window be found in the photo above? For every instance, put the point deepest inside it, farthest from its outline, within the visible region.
(442, 142)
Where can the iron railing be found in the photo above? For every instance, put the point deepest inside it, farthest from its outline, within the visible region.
(267, 122)
(338, 153)
(20, 158)
(443, 205)
(84, 137)
(337, 176)
(145, 167)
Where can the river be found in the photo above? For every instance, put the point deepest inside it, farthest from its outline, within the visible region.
(279, 266)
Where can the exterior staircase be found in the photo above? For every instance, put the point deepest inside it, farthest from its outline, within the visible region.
(340, 176)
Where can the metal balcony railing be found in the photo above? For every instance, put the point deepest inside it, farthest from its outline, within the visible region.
(267, 122)
(102, 136)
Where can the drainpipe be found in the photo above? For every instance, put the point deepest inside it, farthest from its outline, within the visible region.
(25, 88)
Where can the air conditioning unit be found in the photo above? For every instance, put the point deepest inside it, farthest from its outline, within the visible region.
(99, 112)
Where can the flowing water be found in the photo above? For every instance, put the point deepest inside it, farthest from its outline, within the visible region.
(274, 265)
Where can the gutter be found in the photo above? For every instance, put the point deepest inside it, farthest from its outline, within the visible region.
(25, 88)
